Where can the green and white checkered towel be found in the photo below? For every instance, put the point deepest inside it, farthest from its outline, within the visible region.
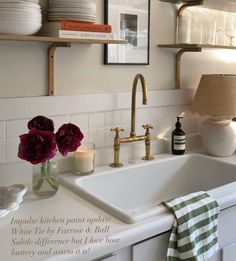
(194, 235)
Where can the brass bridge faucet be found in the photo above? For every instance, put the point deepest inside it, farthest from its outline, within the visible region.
(133, 138)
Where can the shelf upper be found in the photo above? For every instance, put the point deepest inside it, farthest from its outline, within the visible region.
(203, 46)
(33, 38)
(223, 5)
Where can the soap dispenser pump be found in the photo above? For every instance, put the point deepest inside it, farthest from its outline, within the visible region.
(178, 139)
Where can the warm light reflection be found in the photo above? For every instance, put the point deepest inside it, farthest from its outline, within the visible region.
(228, 56)
(164, 134)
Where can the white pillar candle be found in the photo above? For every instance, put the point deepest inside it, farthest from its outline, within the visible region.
(84, 159)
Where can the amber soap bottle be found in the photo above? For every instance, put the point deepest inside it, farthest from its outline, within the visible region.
(178, 142)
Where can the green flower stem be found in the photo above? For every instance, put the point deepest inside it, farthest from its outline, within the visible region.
(45, 175)
(39, 184)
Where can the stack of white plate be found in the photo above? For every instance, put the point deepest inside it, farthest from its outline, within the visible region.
(22, 17)
(72, 10)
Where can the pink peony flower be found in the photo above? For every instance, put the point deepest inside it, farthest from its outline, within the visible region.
(68, 138)
(37, 146)
(41, 123)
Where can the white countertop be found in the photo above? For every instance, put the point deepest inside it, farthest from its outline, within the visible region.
(66, 207)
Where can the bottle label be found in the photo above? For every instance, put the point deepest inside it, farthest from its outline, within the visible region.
(179, 142)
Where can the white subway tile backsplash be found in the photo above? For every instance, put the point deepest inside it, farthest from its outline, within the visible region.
(157, 113)
(180, 110)
(81, 120)
(104, 157)
(86, 136)
(109, 138)
(126, 132)
(2, 130)
(15, 128)
(2, 151)
(191, 124)
(113, 119)
(97, 136)
(126, 117)
(143, 115)
(164, 128)
(12, 150)
(97, 120)
(59, 121)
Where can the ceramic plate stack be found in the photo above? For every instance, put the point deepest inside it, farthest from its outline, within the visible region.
(72, 10)
(22, 17)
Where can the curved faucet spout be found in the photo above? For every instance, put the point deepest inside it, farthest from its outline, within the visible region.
(133, 106)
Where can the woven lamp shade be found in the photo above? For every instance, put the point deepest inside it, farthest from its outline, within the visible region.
(216, 96)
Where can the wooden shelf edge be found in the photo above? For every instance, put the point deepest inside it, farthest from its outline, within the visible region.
(34, 38)
(204, 46)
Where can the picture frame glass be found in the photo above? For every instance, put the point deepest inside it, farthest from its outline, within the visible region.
(130, 21)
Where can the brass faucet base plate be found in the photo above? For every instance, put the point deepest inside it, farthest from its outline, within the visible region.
(113, 165)
(145, 158)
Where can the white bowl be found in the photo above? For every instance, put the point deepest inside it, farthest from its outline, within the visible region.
(20, 1)
(29, 20)
(10, 198)
(20, 13)
(20, 5)
(16, 26)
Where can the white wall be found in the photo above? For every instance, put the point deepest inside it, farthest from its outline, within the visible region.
(80, 69)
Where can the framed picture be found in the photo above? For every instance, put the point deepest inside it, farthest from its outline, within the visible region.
(130, 21)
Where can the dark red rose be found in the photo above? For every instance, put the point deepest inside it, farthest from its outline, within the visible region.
(37, 146)
(41, 123)
(68, 138)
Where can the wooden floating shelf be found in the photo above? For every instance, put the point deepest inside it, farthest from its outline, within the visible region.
(202, 46)
(184, 48)
(221, 5)
(56, 42)
(34, 38)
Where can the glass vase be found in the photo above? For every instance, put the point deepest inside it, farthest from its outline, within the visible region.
(45, 179)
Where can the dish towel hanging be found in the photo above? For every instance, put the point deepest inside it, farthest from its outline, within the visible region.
(194, 235)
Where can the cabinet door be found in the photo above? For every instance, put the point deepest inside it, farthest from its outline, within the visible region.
(152, 249)
(229, 252)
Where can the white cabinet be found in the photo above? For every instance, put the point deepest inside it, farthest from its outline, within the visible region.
(229, 252)
(152, 249)
(155, 248)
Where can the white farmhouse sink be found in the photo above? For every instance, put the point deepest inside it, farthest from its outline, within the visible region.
(134, 193)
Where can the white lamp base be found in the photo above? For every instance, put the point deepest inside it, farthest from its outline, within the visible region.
(219, 137)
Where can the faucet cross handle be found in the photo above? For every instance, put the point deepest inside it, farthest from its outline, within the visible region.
(147, 127)
(147, 156)
(117, 130)
(116, 163)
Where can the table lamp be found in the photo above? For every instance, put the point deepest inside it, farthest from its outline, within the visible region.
(216, 98)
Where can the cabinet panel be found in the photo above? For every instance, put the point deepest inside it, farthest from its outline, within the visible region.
(152, 249)
(229, 252)
(156, 248)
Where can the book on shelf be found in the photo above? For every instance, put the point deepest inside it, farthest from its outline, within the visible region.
(77, 26)
(84, 35)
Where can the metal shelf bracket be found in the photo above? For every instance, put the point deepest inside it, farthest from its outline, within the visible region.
(51, 62)
(178, 63)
